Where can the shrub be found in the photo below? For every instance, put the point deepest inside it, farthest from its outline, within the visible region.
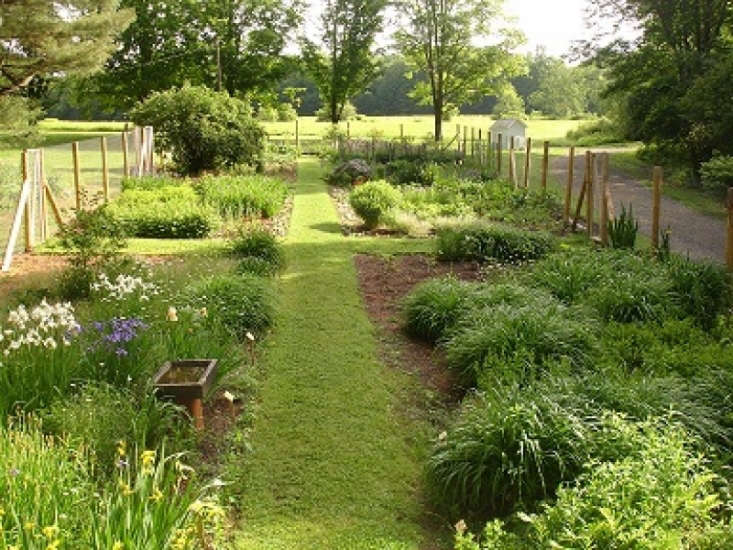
(701, 290)
(163, 213)
(507, 449)
(600, 132)
(482, 242)
(255, 245)
(349, 173)
(717, 174)
(435, 306)
(662, 495)
(373, 200)
(405, 171)
(349, 113)
(244, 196)
(204, 129)
(240, 302)
(518, 337)
(100, 416)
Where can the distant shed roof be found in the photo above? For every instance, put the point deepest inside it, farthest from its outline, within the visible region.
(507, 124)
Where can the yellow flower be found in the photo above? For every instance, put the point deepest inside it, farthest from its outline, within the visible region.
(157, 496)
(29, 526)
(121, 448)
(204, 312)
(51, 531)
(118, 546)
(54, 545)
(148, 460)
(125, 488)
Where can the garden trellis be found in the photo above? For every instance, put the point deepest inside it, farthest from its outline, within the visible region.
(58, 179)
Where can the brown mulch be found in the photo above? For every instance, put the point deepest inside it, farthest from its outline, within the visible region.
(29, 267)
(220, 416)
(384, 283)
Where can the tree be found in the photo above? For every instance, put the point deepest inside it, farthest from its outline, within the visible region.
(509, 103)
(438, 37)
(662, 75)
(39, 37)
(347, 66)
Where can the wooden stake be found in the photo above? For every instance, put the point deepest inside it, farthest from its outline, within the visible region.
(499, 147)
(28, 228)
(604, 199)
(545, 165)
(105, 168)
(583, 190)
(54, 207)
(125, 157)
(402, 131)
(348, 130)
(591, 183)
(473, 142)
(656, 204)
(17, 222)
(729, 243)
(480, 148)
(569, 186)
(465, 141)
(44, 208)
(297, 137)
(77, 173)
(512, 166)
(197, 413)
(528, 164)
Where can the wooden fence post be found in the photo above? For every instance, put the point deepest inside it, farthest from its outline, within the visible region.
(528, 164)
(42, 195)
(27, 226)
(473, 142)
(465, 141)
(402, 131)
(348, 130)
(77, 173)
(604, 199)
(545, 165)
(499, 147)
(125, 155)
(297, 138)
(729, 243)
(569, 186)
(590, 197)
(105, 168)
(480, 148)
(656, 204)
(512, 166)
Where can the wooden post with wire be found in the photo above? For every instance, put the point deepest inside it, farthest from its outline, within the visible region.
(105, 168)
(473, 142)
(480, 147)
(590, 198)
(499, 146)
(583, 191)
(729, 243)
(77, 173)
(545, 165)
(569, 186)
(42, 195)
(658, 181)
(528, 164)
(465, 141)
(512, 163)
(125, 155)
(297, 138)
(27, 225)
(604, 199)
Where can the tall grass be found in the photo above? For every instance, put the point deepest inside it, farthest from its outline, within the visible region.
(435, 307)
(243, 196)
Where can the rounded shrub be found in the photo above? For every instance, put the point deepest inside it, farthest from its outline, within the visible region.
(373, 200)
(205, 130)
(257, 243)
(435, 306)
(239, 302)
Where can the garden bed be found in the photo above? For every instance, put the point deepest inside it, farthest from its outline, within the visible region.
(383, 284)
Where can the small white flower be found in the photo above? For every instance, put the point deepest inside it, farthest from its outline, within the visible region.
(229, 396)
(250, 336)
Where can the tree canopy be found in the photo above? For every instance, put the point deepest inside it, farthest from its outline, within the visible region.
(342, 64)
(438, 37)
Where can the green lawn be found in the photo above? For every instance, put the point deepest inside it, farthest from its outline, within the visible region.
(336, 462)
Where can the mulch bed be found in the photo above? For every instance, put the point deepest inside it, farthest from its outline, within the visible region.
(384, 283)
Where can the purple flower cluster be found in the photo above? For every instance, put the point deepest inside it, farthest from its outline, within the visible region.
(117, 333)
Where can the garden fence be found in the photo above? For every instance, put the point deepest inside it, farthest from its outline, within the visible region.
(54, 181)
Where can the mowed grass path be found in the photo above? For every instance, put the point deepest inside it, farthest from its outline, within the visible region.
(336, 464)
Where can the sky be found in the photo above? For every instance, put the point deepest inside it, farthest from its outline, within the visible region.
(554, 24)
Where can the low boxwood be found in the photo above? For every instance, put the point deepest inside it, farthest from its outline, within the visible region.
(484, 242)
(373, 200)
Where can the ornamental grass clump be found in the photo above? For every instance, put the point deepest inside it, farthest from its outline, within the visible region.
(258, 250)
(434, 307)
(236, 197)
(520, 332)
(373, 200)
(483, 242)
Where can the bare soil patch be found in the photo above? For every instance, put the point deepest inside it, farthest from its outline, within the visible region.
(384, 282)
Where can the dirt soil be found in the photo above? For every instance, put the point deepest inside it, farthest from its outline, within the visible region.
(693, 233)
(384, 282)
(29, 267)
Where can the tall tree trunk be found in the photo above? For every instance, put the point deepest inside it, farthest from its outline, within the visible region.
(438, 125)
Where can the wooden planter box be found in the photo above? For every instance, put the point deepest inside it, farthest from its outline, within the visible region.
(186, 382)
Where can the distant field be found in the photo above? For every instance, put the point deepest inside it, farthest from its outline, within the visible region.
(416, 126)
